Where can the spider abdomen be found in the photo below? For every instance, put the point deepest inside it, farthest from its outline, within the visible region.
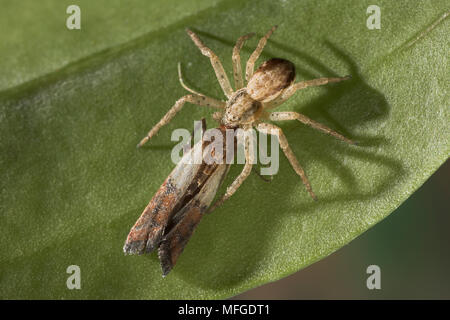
(270, 79)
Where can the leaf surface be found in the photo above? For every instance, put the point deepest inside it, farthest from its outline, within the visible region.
(72, 183)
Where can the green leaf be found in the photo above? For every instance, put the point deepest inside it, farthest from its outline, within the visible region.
(73, 105)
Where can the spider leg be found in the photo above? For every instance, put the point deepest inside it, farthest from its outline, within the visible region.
(195, 99)
(289, 91)
(217, 116)
(215, 62)
(249, 159)
(281, 116)
(274, 130)
(180, 78)
(237, 68)
(249, 68)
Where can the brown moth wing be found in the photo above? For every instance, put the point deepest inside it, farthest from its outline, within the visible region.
(185, 221)
(270, 79)
(148, 230)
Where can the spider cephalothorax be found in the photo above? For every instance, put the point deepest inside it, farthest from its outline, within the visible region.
(247, 106)
(241, 110)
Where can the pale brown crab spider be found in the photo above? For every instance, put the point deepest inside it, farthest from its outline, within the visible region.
(246, 107)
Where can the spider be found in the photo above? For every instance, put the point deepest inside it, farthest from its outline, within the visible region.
(247, 107)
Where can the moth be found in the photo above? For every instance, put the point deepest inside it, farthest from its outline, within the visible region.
(186, 195)
(170, 218)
